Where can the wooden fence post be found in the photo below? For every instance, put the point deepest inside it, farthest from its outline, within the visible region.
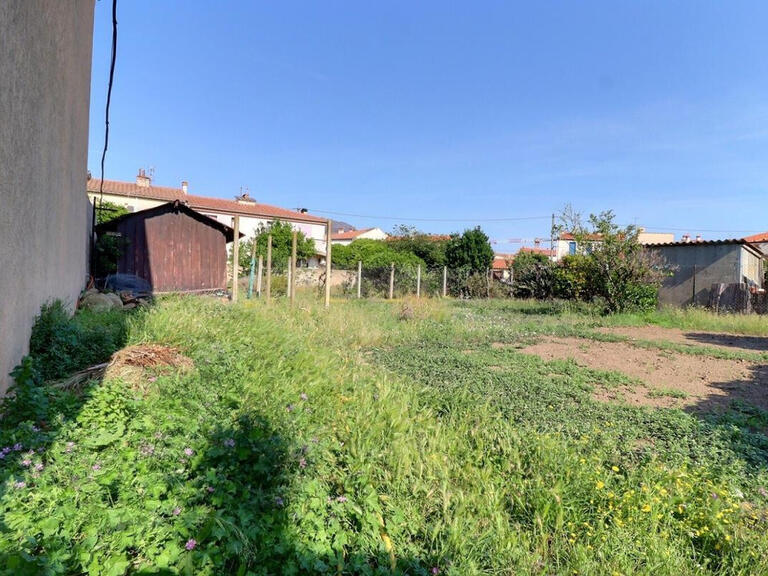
(328, 264)
(269, 268)
(359, 278)
(391, 280)
(445, 281)
(236, 259)
(253, 271)
(488, 283)
(418, 281)
(292, 286)
(259, 274)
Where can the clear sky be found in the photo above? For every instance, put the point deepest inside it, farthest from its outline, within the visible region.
(443, 110)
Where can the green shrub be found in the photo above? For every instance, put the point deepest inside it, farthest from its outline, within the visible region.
(61, 344)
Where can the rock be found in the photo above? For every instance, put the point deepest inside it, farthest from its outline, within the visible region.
(97, 302)
(116, 300)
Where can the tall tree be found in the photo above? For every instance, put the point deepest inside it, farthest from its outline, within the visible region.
(282, 239)
(471, 252)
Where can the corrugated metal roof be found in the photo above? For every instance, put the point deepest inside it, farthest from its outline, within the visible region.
(739, 241)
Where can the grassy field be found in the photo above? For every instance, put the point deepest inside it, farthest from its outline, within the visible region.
(357, 442)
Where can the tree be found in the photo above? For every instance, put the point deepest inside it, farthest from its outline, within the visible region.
(282, 239)
(430, 249)
(471, 252)
(621, 272)
(106, 211)
(533, 275)
(373, 254)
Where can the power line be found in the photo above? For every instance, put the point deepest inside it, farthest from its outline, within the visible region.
(109, 96)
(413, 219)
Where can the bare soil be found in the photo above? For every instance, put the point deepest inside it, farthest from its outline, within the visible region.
(695, 338)
(709, 384)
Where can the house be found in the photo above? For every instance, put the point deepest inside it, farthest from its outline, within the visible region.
(698, 265)
(567, 245)
(45, 67)
(172, 247)
(143, 194)
(538, 250)
(759, 240)
(501, 267)
(348, 236)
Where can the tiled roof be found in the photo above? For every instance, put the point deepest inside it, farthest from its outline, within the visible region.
(501, 262)
(569, 236)
(167, 194)
(349, 234)
(534, 250)
(762, 237)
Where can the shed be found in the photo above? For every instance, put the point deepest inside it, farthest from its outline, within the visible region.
(173, 248)
(697, 266)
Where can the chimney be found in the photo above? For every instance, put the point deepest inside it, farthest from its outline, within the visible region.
(686, 238)
(536, 242)
(184, 186)
(142, 179)
(698, 238)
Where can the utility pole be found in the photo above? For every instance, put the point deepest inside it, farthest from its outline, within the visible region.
(328, 264)
(269, 268)
(292, 286)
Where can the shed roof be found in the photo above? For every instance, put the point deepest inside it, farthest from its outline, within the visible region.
(733, 241)
(176, 206)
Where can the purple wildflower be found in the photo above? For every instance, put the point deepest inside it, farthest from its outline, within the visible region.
(35, 428)
(435, 570)
(152, 378)
(6, 449)
(2, 455)
(289, 408)
(96, 466)
(188, 451)
(20, 485)
(302, 463)
(176, 511)
(278, 502)
(211, 489)
(147, 450)
(341, 499)
(191, 543)
(714, 496)
(229, 442)
(26, 463)
(39, 467)
(763, 492)
(18, 447)
(304, 396)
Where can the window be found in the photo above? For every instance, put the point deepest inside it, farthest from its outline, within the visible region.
(571, 248)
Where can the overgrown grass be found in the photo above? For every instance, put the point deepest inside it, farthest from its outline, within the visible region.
(354, 442)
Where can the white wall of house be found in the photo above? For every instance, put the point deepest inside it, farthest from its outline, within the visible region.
(372, 234)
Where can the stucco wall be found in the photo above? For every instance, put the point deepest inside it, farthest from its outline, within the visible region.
(45, 77)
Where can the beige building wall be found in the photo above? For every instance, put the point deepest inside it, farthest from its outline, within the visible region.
(45, 78)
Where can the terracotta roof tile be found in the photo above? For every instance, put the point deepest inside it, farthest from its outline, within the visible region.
(349, 234)
(762, 237)
(167, 194)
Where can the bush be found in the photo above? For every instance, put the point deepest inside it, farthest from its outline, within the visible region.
(533, 276)
(373, 254)
(573, 278)
(61, 344)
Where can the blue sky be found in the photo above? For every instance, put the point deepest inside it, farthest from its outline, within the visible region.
(447, 111)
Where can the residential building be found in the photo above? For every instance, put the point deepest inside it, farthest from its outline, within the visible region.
(348, 236)
(759, 240)
(143, 194)
(567, 245)
(695, 266)
(501, 267)
(45, 79)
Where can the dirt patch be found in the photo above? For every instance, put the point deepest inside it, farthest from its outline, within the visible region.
(694, 338)
(700, 382)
